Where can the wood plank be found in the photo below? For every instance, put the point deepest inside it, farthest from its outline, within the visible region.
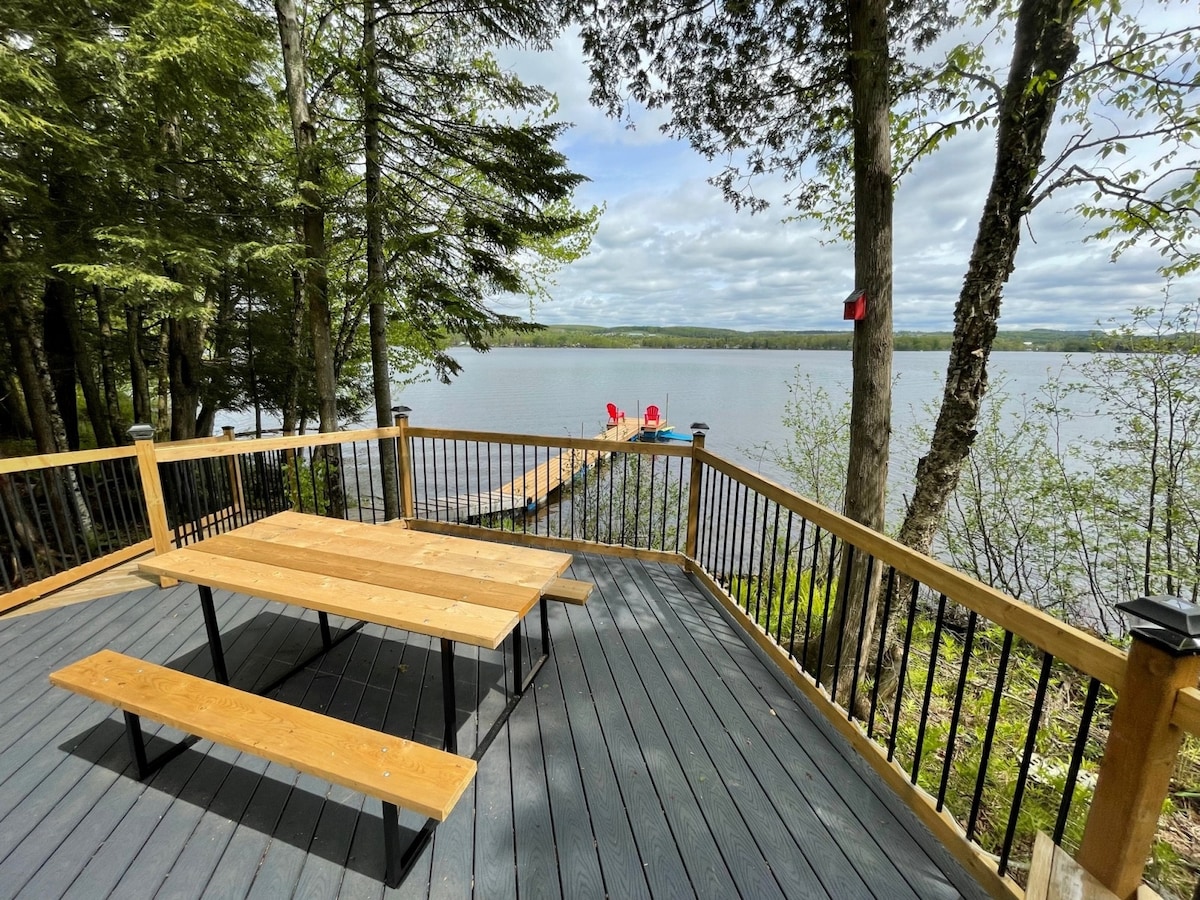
(1187, 711)
(396, 770)
(418, 552)
(61, 580)
(436, 616)
(569, 590)
(818, 792)
(172, 453)
(399, 539)
(345, 561)
(11, 464)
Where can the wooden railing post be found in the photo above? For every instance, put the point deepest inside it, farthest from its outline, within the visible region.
(235, 474)
(152, 492)
(405, 464)
(694, 487)
(1143, 744)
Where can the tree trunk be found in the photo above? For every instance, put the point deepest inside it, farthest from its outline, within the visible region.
(162, 396)
(60, 363)
(1044, 50)
(28, 359)
(222, 343)
(139, 375)
(310, 181)
(380, 370)
(871, 403)
(185, 341)
(86, 372)
(107, 369)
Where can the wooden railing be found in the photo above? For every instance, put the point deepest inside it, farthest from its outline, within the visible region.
(952, 691)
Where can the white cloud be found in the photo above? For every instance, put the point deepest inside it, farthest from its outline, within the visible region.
(670, 251)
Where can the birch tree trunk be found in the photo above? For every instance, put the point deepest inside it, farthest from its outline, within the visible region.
(1044, 50)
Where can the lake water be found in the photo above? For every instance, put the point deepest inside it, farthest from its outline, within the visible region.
(740, 394)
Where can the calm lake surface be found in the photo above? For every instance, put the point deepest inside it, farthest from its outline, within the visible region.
(741, 394)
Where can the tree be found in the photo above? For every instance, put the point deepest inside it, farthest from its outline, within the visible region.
(802, 89)
(1134, 88)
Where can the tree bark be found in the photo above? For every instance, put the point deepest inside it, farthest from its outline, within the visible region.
(185, 341)
(56, 297)
(310, 181)
(871, 403)
(376, 293)
(139, 375)
(107, 369)
(1044, 49)
(218, 369)
(85, 370)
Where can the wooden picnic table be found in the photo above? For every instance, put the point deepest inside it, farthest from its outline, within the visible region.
(451, 588)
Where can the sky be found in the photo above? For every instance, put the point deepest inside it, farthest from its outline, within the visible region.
(670, 251)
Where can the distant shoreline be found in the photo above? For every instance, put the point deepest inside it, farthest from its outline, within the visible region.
(594, 337)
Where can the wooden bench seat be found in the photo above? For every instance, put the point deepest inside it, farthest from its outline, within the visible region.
(569, 591)
(398, 772)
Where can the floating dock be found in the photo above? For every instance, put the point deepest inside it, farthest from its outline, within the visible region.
(533, 489)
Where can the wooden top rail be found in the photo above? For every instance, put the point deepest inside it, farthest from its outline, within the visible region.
(175, 453)
(1187, 711)
(12, 464)
(397, 771)
(1073, 646)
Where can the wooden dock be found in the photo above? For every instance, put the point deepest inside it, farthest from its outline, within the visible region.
(532, 489)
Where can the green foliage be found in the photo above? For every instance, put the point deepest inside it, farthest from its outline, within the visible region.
(794, 605)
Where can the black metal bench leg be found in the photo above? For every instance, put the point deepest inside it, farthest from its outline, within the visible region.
(400, 862)
(214, 634)
(137, 747)
(326, 635)
(137, 744)
(449, 703)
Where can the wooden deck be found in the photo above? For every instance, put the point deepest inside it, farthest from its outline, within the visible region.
(529, 490)
(657, 756)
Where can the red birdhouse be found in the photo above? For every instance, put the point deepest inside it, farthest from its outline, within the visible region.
(855, 306)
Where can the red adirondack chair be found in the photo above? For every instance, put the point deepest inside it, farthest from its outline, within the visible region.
(615, 415)
(651, 419)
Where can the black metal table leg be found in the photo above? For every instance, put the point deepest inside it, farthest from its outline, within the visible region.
(214, 634)
(449, 704)
(326, 636)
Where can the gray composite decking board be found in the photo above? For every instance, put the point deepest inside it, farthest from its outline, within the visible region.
(784, 843)
(574, 840)
(821, 770)
(833, 764)
(663, 866)
(74, 788)
(758, 761)
(620, 864)
(700, 828)
(648, 679)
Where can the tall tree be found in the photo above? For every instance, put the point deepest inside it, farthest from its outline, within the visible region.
(814, 106)
(1133, 89)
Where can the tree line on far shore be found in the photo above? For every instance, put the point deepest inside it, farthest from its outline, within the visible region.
(693, 338)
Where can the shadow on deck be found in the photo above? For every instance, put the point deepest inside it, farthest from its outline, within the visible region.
(658, 756)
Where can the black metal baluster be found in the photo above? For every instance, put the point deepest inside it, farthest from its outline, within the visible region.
(1081, 739)
(783, 576)
(812, 590)
(862, 633)
(883, 629)
(837, 653)
(934, 647)
(1035, 719)
(952, 737)
(902, 678)
(796, 590)
(985, 753)
(829, 592)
